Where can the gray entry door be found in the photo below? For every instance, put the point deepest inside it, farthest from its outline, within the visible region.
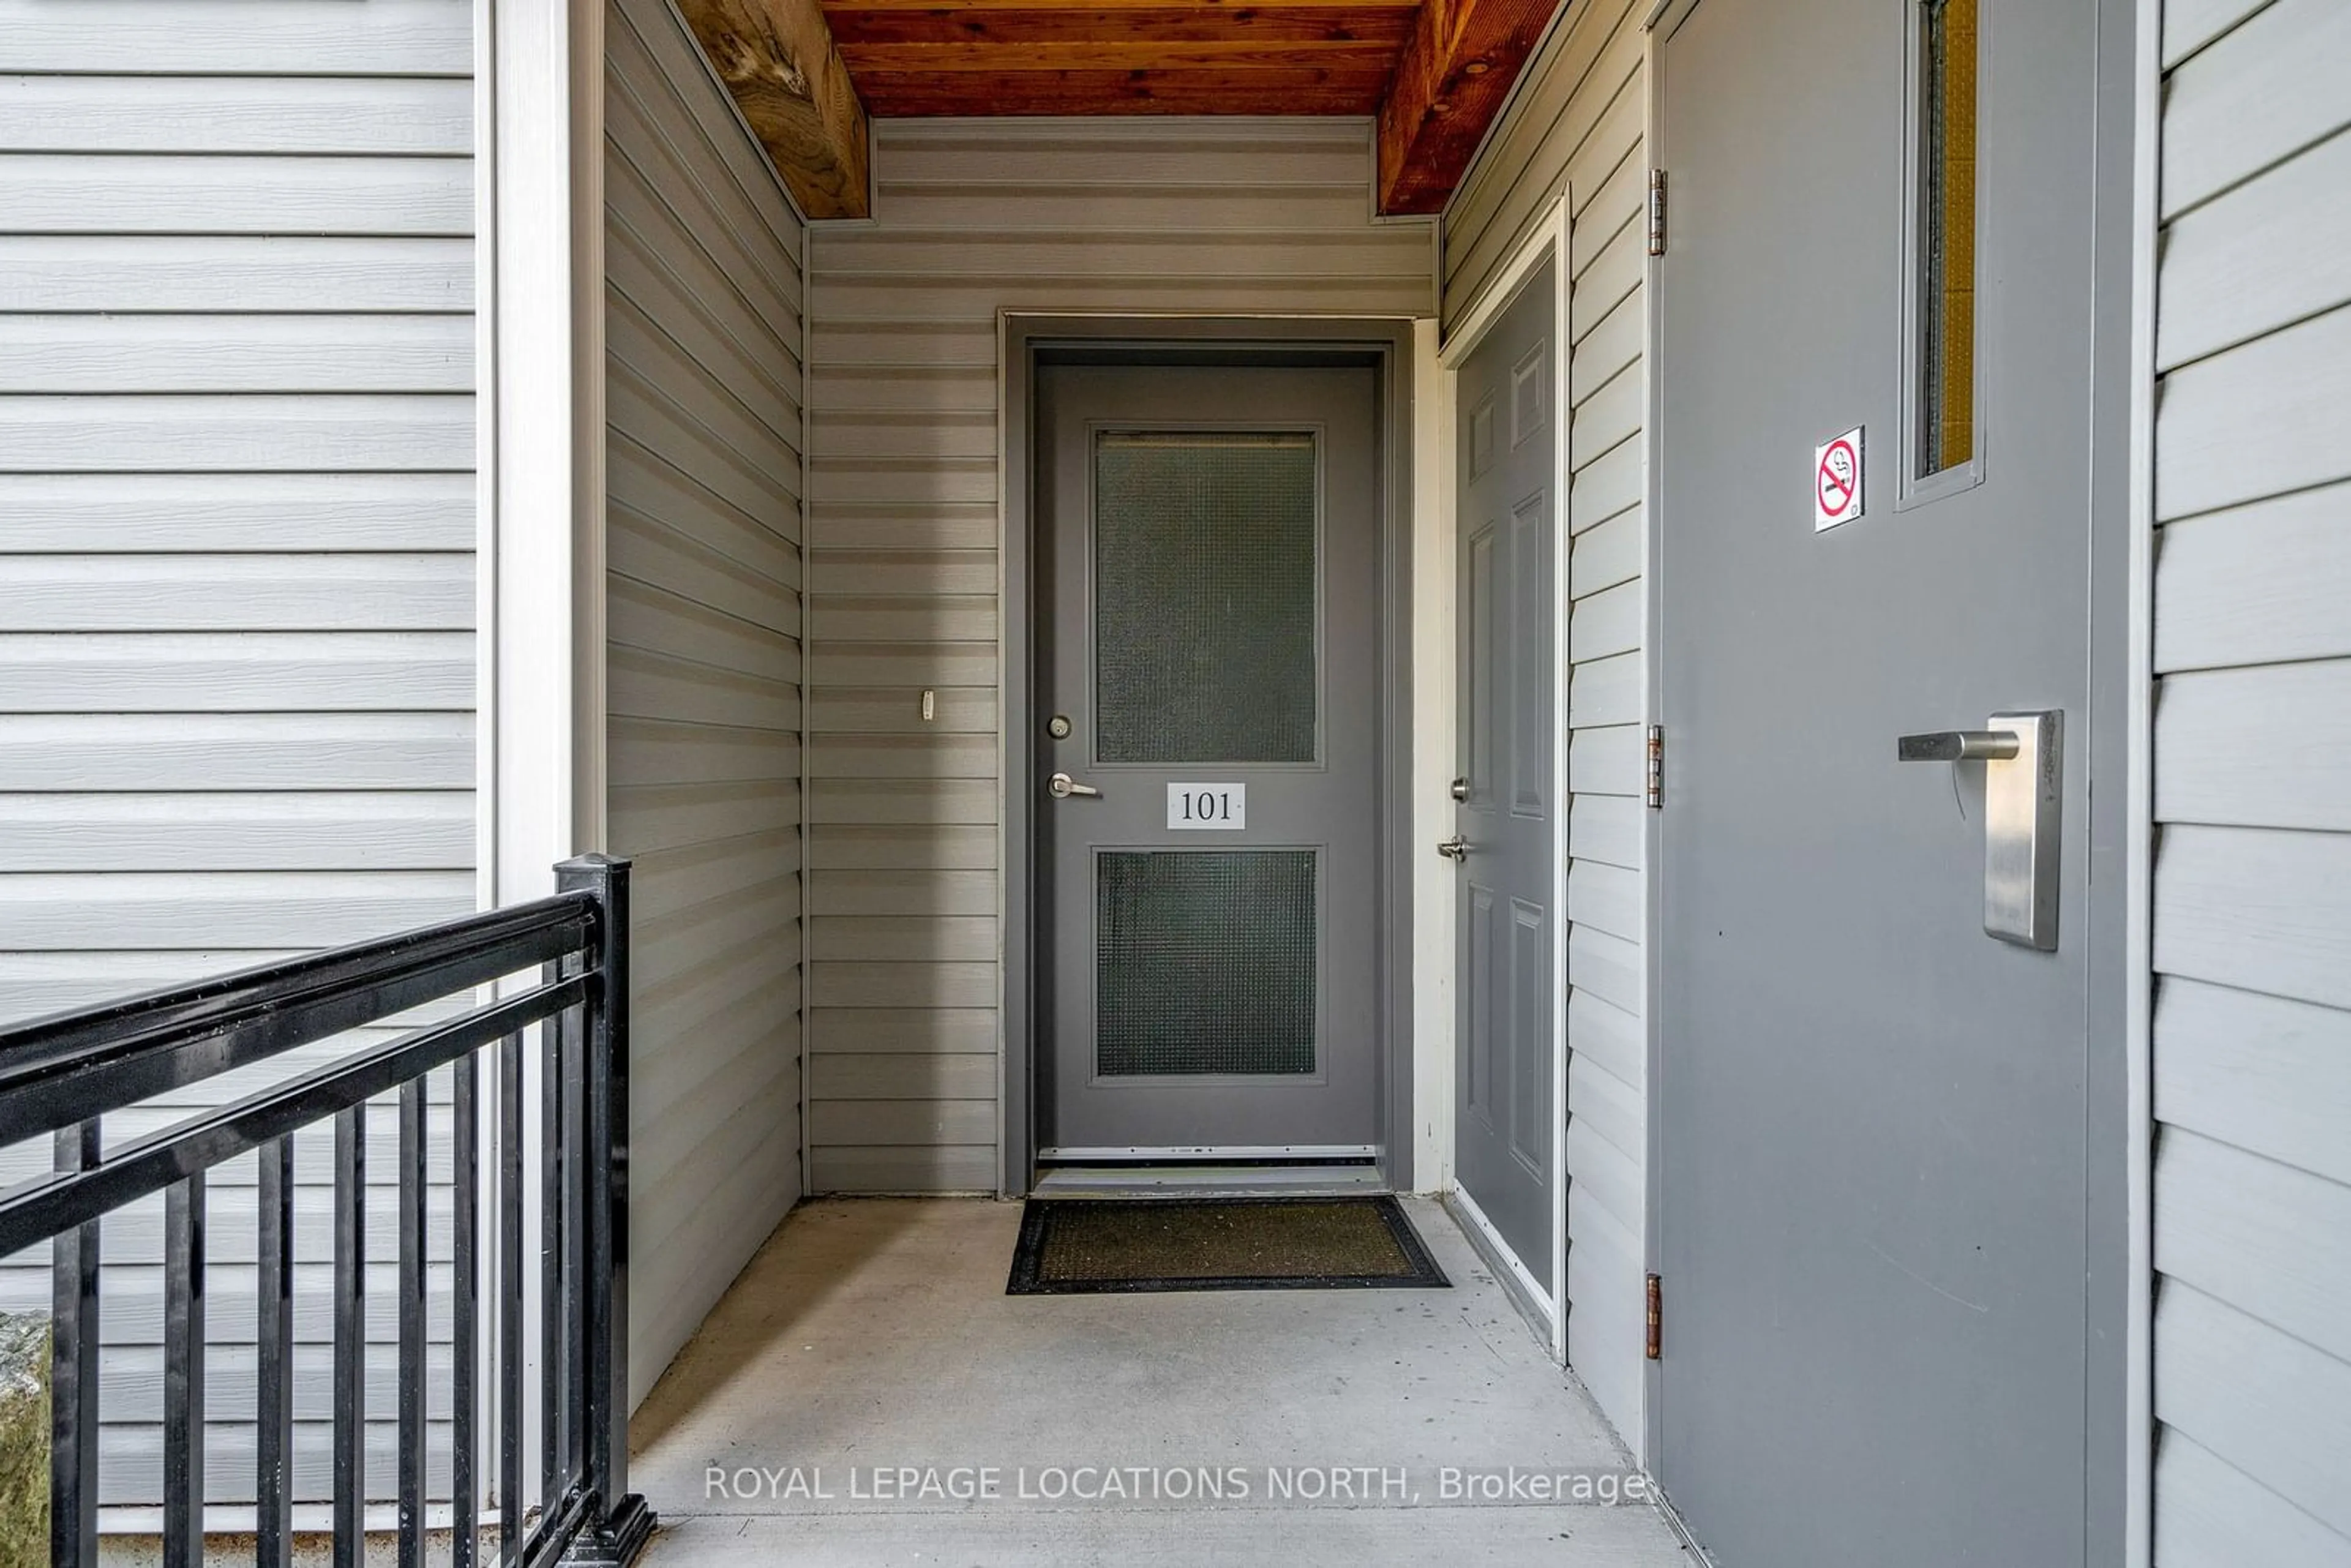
(1208, 566)
(1505, 1120)
(1870, 1113)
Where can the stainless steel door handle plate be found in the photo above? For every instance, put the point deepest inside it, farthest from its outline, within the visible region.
(2024, 758)
(1454, 849)
(1061, 786)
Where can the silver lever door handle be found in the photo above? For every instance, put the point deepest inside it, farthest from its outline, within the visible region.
(2023, 756)
(1958, 745)
(1456, 847)
(1061, 786)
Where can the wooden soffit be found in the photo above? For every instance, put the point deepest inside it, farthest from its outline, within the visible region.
(807, 72)
(1121, 57)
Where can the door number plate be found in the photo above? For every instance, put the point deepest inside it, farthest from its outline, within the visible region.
(1207, 805)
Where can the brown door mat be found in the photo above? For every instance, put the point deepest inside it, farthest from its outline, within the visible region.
(1089, 1245)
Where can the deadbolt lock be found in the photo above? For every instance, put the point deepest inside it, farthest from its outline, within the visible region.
(1461, 789)
(1058, 726)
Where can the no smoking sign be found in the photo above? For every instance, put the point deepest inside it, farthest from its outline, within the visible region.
(1836, 481)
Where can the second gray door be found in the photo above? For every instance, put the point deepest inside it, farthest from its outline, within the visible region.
(1505, 1123)
(1208, 701)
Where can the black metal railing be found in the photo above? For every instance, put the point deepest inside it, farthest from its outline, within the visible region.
(557, 1041)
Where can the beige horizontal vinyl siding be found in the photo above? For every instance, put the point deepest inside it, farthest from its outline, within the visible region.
(974, 218)
(2252, 784)
(236, 607)
(1575, 124)
(704, 525)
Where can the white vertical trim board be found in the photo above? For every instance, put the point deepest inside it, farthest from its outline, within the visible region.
(544, 337)
(489, 1275)
(1575, 135)
(1435, 888)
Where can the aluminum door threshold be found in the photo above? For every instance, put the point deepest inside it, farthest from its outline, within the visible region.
(1211, 1181)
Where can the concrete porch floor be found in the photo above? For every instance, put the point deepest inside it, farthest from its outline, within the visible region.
(874, 1335)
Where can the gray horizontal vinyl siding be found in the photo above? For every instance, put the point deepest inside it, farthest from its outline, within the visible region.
(1574, 124)
(237, 604)
(975, 217)
(702, 296)
(2252, 781)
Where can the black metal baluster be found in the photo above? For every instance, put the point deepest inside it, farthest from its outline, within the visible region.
(412, 1323)
(73, 1373)
(273, 1453)
(572, 1035)
(510, 1297)
(183, 1372)
(351, 1334)
(465, 1282)
(552, 1193)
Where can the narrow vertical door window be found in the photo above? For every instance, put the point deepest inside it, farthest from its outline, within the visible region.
(1946, 249)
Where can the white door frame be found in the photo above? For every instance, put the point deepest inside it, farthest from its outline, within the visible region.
(1547, 241)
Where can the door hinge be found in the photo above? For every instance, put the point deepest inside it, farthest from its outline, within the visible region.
(1657, 1346)
(1656, 212)
(1656, 788)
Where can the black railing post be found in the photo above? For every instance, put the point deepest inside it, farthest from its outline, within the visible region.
(183, 1373)
(349, 1376)
(73, 1373)
(509, 1296)
(464, 1269)
(623, 1521)
(273, 1444)
(415, 1220)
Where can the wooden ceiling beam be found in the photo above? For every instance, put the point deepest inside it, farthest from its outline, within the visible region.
(1233, 11)
(1013, 60)
(1385, 26)
(778, 59)
(1123, 91)
(921, 97)
(1450, 83)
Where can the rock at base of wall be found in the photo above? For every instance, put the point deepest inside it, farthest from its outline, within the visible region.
(24, 1439)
